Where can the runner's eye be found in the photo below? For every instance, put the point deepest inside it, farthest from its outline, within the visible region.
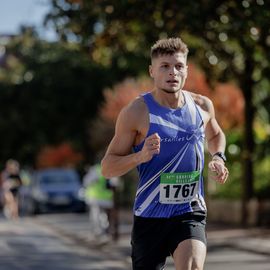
(180, 67)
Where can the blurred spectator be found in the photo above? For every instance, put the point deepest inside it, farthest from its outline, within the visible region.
(100, 198)
(11, 183)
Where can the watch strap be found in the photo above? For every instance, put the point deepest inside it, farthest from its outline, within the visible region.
(220, 155)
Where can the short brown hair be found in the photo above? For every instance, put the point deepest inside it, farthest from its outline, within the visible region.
(168, 47)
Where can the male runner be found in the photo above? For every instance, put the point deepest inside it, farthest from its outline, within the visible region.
(166, 129)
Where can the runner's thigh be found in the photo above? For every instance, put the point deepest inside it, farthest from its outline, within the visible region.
(190, 254)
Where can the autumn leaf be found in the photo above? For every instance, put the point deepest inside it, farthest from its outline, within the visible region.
(62, 155)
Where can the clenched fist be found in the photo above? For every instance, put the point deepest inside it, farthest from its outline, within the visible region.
(218, 171)
(150, 148)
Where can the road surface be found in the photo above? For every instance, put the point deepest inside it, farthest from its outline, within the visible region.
(61, 242)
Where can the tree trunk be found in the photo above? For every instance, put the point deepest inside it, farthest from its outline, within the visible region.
(248, 147)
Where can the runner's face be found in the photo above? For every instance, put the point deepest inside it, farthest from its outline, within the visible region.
(12, 168)
(169, 72)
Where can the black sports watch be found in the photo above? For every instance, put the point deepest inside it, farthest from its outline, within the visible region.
(220, 155)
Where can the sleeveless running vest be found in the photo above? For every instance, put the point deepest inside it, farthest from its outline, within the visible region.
(171, 183)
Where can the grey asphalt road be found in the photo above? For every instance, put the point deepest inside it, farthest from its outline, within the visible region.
(47, 242)
(27, 245)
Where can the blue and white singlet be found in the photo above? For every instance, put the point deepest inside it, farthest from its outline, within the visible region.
(171, 183)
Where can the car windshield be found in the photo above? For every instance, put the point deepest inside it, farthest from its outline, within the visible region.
(57, 180)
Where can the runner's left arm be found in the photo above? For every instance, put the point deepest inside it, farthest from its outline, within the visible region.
(215, 138)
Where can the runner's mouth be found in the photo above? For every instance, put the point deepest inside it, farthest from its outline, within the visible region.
(172, 81)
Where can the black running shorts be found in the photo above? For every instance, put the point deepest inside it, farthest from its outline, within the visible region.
(153, 239)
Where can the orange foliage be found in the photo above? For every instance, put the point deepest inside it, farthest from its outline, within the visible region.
(229, 105)
(62, 155)
(121, 95)
(227, 98)
(196, 81)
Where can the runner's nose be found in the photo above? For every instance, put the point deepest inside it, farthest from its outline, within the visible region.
(173, 71)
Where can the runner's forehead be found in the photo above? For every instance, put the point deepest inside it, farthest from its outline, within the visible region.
(170, 58)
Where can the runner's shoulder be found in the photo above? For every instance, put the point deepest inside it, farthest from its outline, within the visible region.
(135, 107)
(204, 102)
(134, 111)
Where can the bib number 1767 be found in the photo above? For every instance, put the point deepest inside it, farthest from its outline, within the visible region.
(178, 187)
(174, 190)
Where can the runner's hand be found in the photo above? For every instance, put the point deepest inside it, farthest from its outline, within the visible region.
(150, 148)
(219, 172)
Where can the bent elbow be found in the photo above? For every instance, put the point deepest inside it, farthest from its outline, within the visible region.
(104, 169)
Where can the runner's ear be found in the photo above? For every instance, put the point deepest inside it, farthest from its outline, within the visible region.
(151, 71)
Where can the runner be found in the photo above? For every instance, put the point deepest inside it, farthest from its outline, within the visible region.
(11, 182)
(167, 128)
(99, 196)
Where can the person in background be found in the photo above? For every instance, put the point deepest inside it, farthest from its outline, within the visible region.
(11, 183)
(100, 198)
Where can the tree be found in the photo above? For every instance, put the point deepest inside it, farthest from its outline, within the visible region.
(62, 155)
(229, 39)
(49, 93)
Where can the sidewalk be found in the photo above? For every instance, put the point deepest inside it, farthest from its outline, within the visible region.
(256, 239)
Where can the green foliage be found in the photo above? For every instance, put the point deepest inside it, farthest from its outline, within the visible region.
(113, 29)
(262, 180)
(229, 39)
(53, 96)
(233, 187)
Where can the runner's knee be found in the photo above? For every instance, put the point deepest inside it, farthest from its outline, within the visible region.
(196, 265)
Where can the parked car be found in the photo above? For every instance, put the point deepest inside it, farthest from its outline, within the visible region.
(53, 189)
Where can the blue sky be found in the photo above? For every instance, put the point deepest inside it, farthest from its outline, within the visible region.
(14, 13)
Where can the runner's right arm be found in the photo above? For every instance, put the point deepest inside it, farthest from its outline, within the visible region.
(118, 159)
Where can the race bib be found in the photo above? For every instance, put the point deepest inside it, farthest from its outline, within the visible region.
(178, 188)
